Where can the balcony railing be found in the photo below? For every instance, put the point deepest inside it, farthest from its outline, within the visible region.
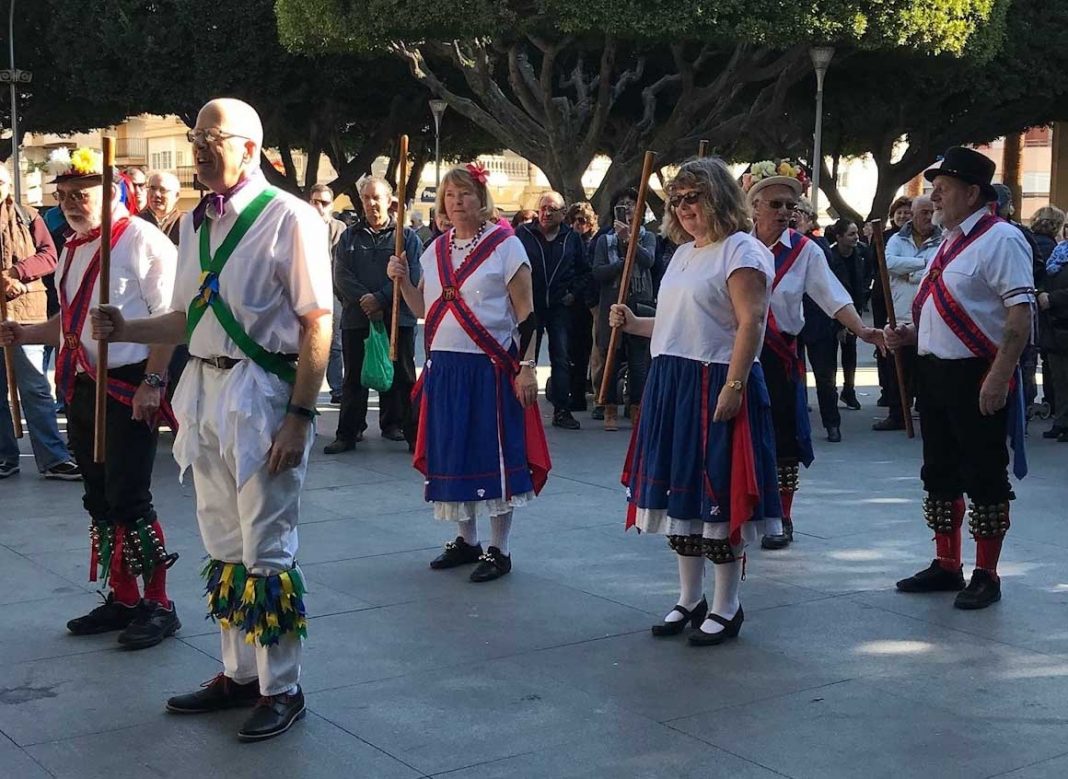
(187, 177)
(132, 149)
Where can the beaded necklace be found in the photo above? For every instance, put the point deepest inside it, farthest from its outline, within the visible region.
(455, 249)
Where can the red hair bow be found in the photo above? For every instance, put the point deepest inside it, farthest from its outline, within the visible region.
(478, 172)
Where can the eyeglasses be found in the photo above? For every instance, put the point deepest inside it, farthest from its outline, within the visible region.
(212, 135)
(551, 210)
(775, 205)
(690, 199)
(162, 190)
(77, 196)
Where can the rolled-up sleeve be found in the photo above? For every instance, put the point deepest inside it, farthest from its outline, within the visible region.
(1008, 269)
(821, 284)
(157, 266)
(308, 280)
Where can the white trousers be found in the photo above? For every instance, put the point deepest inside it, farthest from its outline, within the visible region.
(254, 524)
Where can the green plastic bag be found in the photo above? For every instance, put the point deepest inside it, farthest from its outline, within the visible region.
(377, 372)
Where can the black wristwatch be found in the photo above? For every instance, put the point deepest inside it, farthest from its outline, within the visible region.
(154, 380)
(300, 411)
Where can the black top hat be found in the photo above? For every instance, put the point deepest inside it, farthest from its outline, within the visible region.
(967, 165)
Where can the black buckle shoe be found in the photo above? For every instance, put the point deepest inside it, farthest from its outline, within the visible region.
(457, 552)
(393, 434)
(273, 716)
(216, 694)
(693, 616)
(492, 565)
(934, 578)
(562, 418)
(782, 540)
(983, 590)
(152, 624)
(108, 616)
(731, 627)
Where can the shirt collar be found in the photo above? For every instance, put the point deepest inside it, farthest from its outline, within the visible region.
(213, 205)
(969, 224)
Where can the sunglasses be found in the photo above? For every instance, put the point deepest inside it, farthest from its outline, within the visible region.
(77, 196)
(775, 205)
(324, 203)
(690, 199)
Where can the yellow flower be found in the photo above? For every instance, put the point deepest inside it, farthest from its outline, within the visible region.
(85, 161)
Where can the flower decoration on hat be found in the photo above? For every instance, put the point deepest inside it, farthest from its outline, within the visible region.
(766, 169)
(478, 172)
(80, 162)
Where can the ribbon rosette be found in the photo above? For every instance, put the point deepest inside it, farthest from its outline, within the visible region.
(209, 288)
(478, 172)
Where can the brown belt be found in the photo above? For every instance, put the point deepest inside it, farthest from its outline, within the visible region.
(224, 363)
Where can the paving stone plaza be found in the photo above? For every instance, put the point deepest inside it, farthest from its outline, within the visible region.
(551, 671)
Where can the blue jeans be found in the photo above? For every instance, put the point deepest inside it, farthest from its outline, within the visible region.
(557, 320)
(38, 405)
(335, 373)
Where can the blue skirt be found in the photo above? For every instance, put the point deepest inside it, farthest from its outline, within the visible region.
(472, 440)
(681, 462)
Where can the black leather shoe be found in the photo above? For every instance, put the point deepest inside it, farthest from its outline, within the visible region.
(215, 694)
(782, 540)
(983, 590)
(108, 616)
(730, 630)
(339, 445)
(393, 434)
(457, 552)
(849, 398)
(935, 578)
(694, 617)
(562, 418)
(152, 624)
(492, 565)
(834, 435)
(273, 716)
(597, 414)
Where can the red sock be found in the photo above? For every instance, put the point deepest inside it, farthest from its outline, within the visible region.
(123, 585)
(987, 552)
(947, 545)
(787, 499)
(156, 585)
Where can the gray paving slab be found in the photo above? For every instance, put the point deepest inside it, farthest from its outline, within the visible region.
(552, 671)
(209, 748)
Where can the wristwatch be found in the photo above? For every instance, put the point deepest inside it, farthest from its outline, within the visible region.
(528, 363)
(737, 385)
(153, 380)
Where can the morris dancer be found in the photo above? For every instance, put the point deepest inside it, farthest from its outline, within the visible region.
(701, 469)
(479, 451)
(254, 275)
(800, 269)
(971, 320)
(127, 540)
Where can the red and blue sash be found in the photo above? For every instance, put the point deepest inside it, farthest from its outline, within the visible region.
(506, 362)
(785, 346)
(965, 328)
(74, 312)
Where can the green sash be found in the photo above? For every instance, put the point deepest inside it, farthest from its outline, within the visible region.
(209, 297)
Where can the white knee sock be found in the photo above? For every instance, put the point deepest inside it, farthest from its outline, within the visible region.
(691, 584)
(500, 528)
(725, 599)
(468, 531)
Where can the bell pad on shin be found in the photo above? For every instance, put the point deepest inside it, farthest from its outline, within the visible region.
(789, 477)
(989, 520)
(938, 513)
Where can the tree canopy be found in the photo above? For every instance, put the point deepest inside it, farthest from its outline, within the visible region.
(561, 82)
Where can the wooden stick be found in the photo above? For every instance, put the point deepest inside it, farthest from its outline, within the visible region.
(702, 148)
(100, 437)
(9, 368)
(891, 316)
(398, 242)
(628, 266)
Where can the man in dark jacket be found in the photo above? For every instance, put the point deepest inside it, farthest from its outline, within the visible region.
(366, 295)
(558, 265)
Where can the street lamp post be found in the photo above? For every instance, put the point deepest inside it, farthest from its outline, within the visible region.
(821, 59)
(437, 107)
(14, 77)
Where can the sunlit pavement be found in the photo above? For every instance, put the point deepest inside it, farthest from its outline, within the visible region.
(551, 671)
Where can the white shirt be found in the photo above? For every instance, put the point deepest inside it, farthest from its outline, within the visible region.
(810, 275)
(989, 276)
(694, 316)
(485, 292)
(142, 279)
(905, 264)
(279, 271)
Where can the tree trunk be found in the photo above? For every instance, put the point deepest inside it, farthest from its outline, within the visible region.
(415, 174)
(1011, 169)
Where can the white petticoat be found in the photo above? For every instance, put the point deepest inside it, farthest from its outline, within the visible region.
(657, 522)
(463, 511)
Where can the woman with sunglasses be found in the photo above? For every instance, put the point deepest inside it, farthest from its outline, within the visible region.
(701, 469)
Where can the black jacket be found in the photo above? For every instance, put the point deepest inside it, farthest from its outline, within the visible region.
(360, 260)
(558, 267)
